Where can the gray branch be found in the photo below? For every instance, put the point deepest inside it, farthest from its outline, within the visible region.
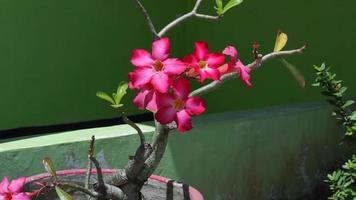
(185, 17)
(254, 65)
(148, 19)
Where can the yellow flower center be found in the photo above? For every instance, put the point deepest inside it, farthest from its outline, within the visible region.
(158, 65)
(202, 64)
(178, 104)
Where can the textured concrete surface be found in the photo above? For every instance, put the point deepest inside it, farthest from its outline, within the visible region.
(275, 153)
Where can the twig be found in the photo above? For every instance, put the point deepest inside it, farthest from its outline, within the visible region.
(148, 19)
(175, 22)
(79, 188)
(134, 125)
(254, 65)
(90, 165)
(101, 184)
(185, 17)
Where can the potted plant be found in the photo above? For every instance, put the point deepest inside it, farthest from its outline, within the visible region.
(163, 86)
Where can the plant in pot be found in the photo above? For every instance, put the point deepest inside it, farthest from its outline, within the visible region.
(163, 86)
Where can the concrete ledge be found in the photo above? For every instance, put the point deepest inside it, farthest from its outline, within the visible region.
(274, 153)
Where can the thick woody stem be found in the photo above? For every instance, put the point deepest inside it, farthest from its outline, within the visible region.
(158, 145)
(254, 65)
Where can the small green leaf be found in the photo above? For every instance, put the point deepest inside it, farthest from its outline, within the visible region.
(230, 4)
(316, 84)
(120, 93)
(348, 103)
(219, 7)
(105, 96)
(353, 116)
(49, 166)
(62, 194)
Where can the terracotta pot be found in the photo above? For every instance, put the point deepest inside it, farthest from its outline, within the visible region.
(157, 187)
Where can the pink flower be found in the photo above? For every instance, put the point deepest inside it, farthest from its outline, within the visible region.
(157, 68)
(178, 106)
(13, 190)
(146, 98)
(236, 65)
(204, 63)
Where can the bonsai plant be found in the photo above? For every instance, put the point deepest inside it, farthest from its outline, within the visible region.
(163, 86)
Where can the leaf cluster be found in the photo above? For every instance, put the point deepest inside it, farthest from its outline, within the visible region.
(222, 9)
(335, 93)
(342, 182)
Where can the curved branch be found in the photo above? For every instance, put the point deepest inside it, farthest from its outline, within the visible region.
(254, 65)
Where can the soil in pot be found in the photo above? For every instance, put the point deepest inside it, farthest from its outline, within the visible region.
(156, 188)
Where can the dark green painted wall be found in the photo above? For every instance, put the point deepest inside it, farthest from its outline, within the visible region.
(54, 55)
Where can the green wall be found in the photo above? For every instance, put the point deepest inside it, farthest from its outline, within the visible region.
(54, 55)
(265, 154)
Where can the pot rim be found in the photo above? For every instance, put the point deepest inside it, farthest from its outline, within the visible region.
(194, 193)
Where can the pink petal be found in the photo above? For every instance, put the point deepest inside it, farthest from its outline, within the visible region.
(164, 99)
(201, 50)
(166, 115)
(4, 185)
(195, 106)
(181, 88)
(16, 185)
(141, 99)
(4, 197)
(161, 82)
(215, 60)
(152, 103)
(184, 121)
(244, 73)
(190, 60)
(141, 58)
(21, 196)
(230, 51)
(209, 73)
(160, 49)
(226, 68)
(174, 66)
(140, 77)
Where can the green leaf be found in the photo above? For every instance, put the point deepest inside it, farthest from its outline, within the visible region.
(62, 194)
(230, 4)
(316, 84)
(348, 103)
(105, 96)
(353, 115)
(120, 93)
(219, 7)
(49, 166)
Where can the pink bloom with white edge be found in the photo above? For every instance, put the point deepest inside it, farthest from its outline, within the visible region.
(236, 65)
(13, 190)
(155, 68)
(178, 106)
(204, 63)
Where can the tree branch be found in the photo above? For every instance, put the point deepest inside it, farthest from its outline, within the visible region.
(148, 19)
(90, 164)
(79, 188)
(134, 125)
(254, 65)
